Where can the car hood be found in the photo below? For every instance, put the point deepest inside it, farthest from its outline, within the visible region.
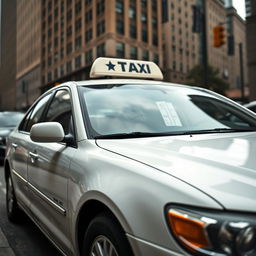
(221, 165)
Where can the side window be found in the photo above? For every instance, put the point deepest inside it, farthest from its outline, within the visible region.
(35, 114)
(60, 110)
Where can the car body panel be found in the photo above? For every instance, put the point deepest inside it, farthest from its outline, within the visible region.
(217, 164)
(127, 192)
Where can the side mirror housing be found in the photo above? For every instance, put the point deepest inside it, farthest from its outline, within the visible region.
(47, 132)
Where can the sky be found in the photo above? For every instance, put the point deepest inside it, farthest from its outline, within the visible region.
(240, 7)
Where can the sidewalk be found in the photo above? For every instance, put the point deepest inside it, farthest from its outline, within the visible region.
(5, 249)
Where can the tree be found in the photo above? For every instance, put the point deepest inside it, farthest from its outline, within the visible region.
(195, 77)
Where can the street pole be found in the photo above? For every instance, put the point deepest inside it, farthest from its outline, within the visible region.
(241, 70)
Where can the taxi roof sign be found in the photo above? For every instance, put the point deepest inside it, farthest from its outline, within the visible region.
(125, 68)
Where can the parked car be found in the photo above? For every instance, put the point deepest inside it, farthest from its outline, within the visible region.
(135, 167)
(8, 121)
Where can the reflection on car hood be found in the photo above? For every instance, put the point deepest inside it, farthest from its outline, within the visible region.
(221, 165)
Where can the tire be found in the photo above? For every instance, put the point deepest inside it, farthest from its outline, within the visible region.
(12, 208)
(105, 232)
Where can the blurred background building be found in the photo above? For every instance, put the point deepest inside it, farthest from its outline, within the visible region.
(44, 43)
(251, 45)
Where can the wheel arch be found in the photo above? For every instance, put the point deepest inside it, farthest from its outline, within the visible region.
(87, 212)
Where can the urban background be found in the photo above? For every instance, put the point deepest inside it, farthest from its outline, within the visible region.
(198, 42)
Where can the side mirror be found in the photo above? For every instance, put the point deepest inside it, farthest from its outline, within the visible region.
(47, 132)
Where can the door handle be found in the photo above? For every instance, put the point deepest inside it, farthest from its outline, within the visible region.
(14, 145)
(33, 156)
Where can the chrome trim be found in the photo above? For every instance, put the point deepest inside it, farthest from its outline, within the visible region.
(42, 195)
(48, 200)
(19, 176)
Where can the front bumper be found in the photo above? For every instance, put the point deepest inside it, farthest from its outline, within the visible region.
(141, 247)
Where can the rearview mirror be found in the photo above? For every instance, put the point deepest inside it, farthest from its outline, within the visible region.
(47, 132)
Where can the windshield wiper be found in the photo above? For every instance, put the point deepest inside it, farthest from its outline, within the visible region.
(136, 135)
(221, 130)
(151, 134)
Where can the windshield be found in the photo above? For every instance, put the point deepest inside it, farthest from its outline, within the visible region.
(10, 119)
(160, 109)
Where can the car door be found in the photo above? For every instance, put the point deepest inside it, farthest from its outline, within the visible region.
(48, 173)
(20, 143)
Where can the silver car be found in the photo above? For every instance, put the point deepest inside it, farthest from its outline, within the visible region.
(136, 167)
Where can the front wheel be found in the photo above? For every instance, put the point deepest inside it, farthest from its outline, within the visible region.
(105, 237)
(13, 211)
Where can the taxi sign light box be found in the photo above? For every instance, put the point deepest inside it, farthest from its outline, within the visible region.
(125, 68)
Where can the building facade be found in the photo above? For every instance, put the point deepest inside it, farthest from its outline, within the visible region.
(28, 52)
(251, 45)
(180, 44)
(74, 33)
(8, 54)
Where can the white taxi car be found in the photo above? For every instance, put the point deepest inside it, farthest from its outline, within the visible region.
(136, 167)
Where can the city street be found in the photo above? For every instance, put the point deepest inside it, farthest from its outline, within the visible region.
(25, 238)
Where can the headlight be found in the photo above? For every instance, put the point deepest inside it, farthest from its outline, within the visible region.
(216, 233)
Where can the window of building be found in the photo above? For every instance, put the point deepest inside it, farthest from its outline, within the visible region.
(119, 26)
(100, 7)
(49, 32)
(78, 43)
(56, 12)
(88, 57)
(78, 7)
(69, 66)
(133, 52)
(88, 2)
(156, 59)
(78, 62)
(69, 48)
(144, 3)
(56, 27)
(144, 35)
(69, 31)
(78, 25)
(55, 73)
(145, 55)
(120, 50)
(62, 70)
(62, 52)
(88, 35)
(69, 15)
(49, 61)
(174, 65)
(119, 6)
(155, 39)
(101, 28)
(133, 31)
(154, 5)
(56, 41)
(49, 76)
(101, 50)
(154, 22)
(132, 12)
(49, 19)
(88, 16)
(144, 17)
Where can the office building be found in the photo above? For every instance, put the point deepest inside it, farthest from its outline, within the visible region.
(251, 45)
(74, 33)
(7, 54)
(28, 52)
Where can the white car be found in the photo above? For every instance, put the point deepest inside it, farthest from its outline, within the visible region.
(135, 167)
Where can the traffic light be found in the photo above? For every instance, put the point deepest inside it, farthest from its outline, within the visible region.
(218, 36)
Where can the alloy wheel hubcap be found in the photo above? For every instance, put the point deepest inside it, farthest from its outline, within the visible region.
(102, 246)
